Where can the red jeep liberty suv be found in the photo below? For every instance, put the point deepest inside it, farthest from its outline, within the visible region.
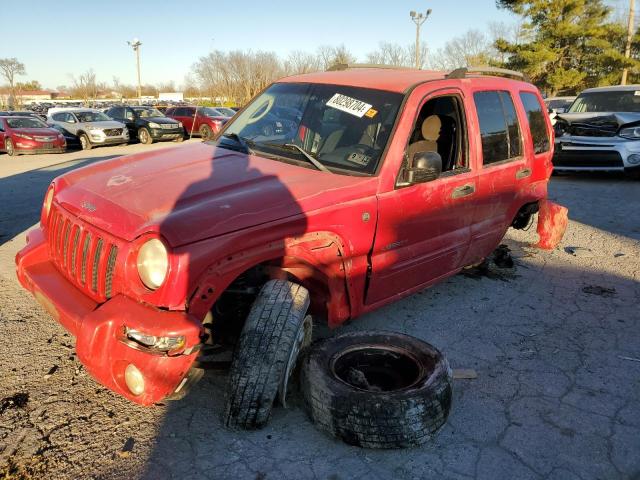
(380, 182)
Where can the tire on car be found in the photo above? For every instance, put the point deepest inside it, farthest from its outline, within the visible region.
(85, 143)
(9, 148)
(273, 334)
(377, 389)
(205, 132)
(144, 136)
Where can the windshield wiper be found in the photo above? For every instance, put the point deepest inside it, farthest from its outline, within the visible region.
(316, 163)
(240, 141)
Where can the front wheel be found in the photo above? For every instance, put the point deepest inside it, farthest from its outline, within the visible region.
(275, 331)
(85, 143)
(144, 136)
(205, 132)
(9, 148)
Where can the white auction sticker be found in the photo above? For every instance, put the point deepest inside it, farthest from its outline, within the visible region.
(349, 105)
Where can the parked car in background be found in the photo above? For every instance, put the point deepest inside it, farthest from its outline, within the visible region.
(559, 104)
(202, 121)
(224, 111)
(147, 124)
(601, 131)
(21, 134)
(23, 113)
(92, 127)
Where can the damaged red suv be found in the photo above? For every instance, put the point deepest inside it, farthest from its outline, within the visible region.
(383, 182)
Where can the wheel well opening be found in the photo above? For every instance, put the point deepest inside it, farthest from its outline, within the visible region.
(229, 311)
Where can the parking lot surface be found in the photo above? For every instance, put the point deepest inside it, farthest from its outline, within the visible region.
(555, 342)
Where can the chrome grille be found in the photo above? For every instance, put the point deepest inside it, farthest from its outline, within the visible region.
(113, 132)
(86, 256)
(44, 139)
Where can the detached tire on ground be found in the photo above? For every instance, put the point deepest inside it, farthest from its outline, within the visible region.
(272, 336)
(377, 389)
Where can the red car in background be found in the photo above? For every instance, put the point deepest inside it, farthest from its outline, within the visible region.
(202, 121)
(29, 135)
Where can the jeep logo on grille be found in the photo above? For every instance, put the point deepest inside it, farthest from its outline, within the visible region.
(88, 206)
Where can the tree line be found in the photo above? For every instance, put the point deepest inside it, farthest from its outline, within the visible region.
(564, 46)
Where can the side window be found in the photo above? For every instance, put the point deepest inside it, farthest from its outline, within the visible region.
(499, 129)
(116, 112)
(128, 114)
(440, 127)
(58, 117)
(537, 124)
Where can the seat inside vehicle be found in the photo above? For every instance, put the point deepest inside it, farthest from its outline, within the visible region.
(438, 128)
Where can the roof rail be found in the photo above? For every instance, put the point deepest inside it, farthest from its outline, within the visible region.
(462, 72)
(346, 66)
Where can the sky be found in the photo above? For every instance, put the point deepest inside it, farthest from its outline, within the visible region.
(68, 37)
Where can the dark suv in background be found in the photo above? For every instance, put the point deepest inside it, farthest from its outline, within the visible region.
(147, 124)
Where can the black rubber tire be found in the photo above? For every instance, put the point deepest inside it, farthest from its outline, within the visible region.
(86, 145)
(179, 139)
(205, 132)
(377, 419)
(10, 148)
(144, 136)
(267, 346)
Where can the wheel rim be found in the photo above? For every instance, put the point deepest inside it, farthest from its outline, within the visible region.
(204, 132)
(143, 136)
(377, 368)
(83, 142)
(9, 147)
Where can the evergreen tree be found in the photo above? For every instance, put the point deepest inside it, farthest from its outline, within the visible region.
(568, 45)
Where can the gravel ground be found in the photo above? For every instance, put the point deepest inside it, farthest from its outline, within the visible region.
(555, 342)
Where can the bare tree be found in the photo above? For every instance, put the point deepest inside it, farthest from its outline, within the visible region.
(301, 62)
(397, 55)
(85, 86)
(10, 68)
(471, 48)
(329, 56)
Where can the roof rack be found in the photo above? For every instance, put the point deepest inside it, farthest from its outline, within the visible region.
(346, 66)
(462, 72)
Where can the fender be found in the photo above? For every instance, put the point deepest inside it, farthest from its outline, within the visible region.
(314, 258)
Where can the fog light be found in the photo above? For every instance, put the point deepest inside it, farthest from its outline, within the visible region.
(134, 379)
(634, 159)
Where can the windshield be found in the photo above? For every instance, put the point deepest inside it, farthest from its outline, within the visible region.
(148, 112)
(342, 127)
(227, 112)
(91, 117)
(211, 112)
(25, 122)
(617, 101)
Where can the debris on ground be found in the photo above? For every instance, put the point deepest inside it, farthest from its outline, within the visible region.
(464, 374)
(492, 267)
(51, 371)
(127, 448)
(502, 257)
(578, 251)
(17, 400)
(631, 359)
(598, 290)
(619, 254)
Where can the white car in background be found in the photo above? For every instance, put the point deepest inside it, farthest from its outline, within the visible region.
(91, 126)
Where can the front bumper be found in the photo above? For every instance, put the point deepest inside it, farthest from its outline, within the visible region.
(166, 134)
(106, 140)
(613, 154)
(99, 328)
(38, 151)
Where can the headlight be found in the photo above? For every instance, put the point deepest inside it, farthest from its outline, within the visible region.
(96, 131)
(154, 125)
(160, 344)
(180, 124)
(46, 206)
(632, 132)
(21, 135)
(153, 263)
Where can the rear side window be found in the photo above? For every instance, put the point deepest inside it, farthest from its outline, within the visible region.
(537, 125)
(499, 127)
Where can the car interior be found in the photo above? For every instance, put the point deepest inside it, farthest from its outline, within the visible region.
(440, 128)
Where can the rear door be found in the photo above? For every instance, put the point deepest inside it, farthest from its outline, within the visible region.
(504, 167)
(185, 115)
(2, 134)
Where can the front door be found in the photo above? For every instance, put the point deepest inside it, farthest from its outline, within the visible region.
(423, 230)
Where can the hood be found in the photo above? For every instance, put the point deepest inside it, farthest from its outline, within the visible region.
(193, 192)
(103, 124)
(160, 120)
(39, 132)
(596, 118)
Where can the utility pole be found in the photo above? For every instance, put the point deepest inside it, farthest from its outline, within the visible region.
(627, 48)
(418, 19)
(135, 44)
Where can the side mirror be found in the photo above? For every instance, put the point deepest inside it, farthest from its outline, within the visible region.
(427, 166)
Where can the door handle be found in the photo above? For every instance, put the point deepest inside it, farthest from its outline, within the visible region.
(463, 191)
(523, 173)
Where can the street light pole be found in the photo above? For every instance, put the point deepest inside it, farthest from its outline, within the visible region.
(419, 19)
(135, 44)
